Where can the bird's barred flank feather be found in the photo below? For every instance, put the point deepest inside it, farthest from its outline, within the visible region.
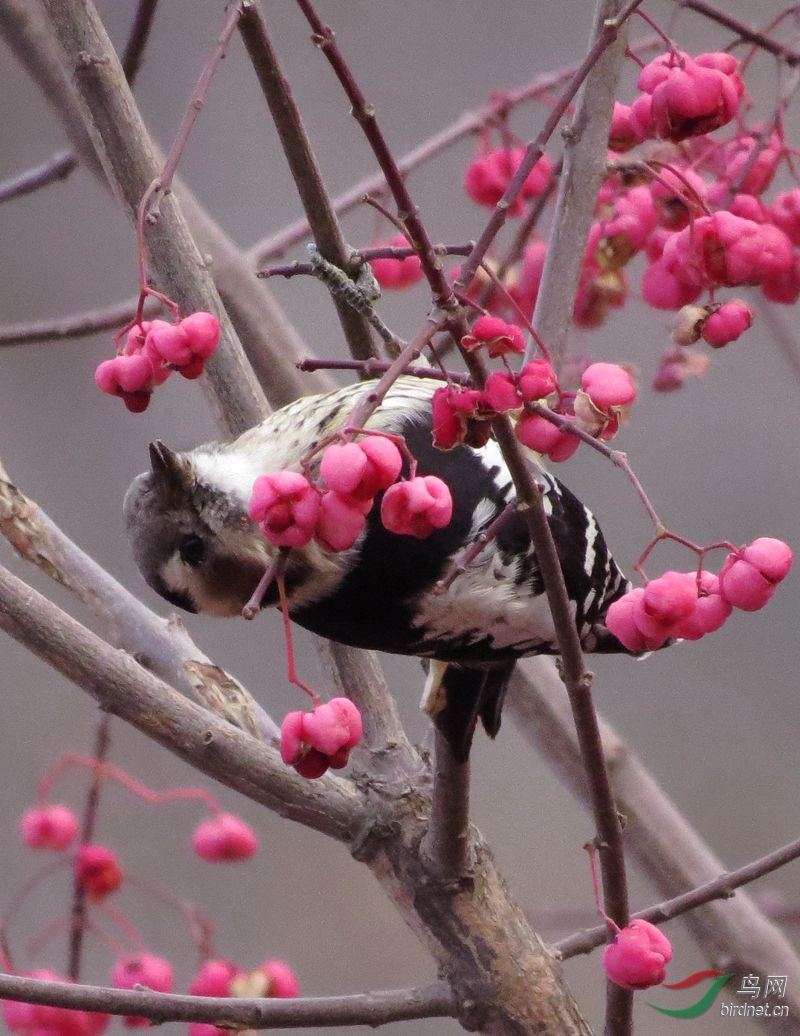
(195, 545)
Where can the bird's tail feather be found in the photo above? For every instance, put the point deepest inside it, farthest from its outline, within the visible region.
(457, 697)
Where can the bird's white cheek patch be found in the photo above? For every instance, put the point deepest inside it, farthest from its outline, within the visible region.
(175, 575)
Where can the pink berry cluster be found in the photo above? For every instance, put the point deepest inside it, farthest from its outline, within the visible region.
(152, 350)
(312, 742)
(681, 97)
(292, 510)
(688, 605)
(396, 274)
(219, 977)
(638, 956)
(463, 415)
(694, 207)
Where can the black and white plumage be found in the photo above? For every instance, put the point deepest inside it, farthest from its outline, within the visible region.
(195, 545)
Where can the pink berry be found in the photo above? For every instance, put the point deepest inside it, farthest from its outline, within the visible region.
(772, 557)
(500, 393)
(670, 598)
(339, 521)
(785, 213)
(748, 580)
(313, 741)
(124, 374)
(608, 385)
(135, 338)
(282, 980)
(213, 978)
(626, 130)
(224, 838)
(690, 97)
(417, 507)
(397, 274)
(488, 176)
(333, 725)
(496, 335)
(743, 586)
(361, 469)
(537, 380)
(525, 289)
(97, 870)
(202, 331)
(49, 827)
(621, 619)
(727, 323)
(142, 969)
(167, 343)
(709, 613)
(541, 435)
(453, 408)
(661, 289)
(638, 956)
(286, 505)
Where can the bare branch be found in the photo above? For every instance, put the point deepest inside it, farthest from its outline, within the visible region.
(77, 326)
(743, 31)
(469, 122)
(305, 171)
(131, 165)
(722, 887)
(373, 1009)
(57, 168)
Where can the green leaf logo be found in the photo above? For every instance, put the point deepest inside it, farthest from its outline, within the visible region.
(705, 1001)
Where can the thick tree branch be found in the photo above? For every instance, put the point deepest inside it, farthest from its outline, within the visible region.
(131, 164)
(123, 687)
(271, 342)
(162, 645)
(586, 147)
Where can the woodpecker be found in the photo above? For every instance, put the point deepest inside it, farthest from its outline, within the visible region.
(195, 545)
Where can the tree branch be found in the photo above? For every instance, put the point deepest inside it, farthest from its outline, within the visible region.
(586, 147)
(373, 1009)
(272, 343)
(161, 645)
(126, 689)
(669, 851)
(721, 887)
(305, 171)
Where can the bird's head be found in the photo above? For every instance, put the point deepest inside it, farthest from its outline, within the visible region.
(192, 539)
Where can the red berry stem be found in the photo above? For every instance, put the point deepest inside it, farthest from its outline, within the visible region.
(103, 770)
(287, 633)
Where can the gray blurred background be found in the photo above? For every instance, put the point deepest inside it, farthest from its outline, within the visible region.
(716, 721)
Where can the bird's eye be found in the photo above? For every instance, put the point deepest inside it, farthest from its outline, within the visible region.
(192, 551)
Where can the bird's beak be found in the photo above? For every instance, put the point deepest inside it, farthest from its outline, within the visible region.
(170, 469)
